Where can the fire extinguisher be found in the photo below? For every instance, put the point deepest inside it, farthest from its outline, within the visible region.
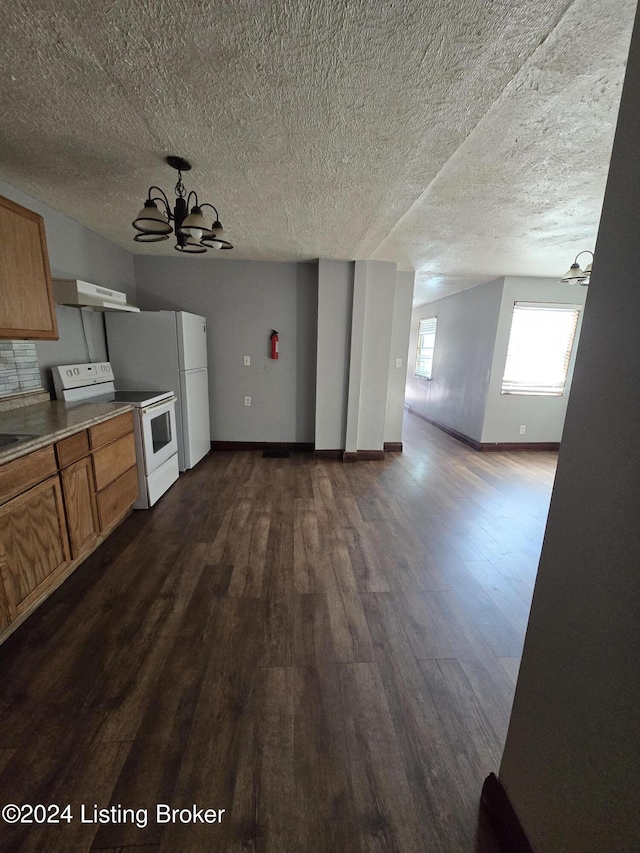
(274, 344)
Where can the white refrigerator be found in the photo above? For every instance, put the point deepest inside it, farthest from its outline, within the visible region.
(166, 351)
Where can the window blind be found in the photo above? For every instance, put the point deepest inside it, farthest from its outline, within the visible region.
(426, 345)
(539, 350)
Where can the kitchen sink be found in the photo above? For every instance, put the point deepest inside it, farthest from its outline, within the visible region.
(7, 439)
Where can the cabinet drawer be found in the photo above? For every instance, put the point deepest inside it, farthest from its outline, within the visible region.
(113, 460)
(71, 449)
(107, 431)
(20, 474)
(117, 498)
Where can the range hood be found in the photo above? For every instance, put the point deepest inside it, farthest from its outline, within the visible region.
(72, 291)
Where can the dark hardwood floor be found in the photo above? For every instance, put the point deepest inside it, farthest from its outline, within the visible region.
(327, 652)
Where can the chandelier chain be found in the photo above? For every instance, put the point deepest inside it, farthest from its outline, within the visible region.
(180, 188)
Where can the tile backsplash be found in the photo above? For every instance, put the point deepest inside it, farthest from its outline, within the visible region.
(19, 371)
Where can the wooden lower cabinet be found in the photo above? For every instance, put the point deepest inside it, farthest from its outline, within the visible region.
(57, 504)
(33, 544)
(5, 618)
(80, 504)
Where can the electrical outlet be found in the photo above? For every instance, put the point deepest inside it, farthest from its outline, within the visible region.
(523, 429)
(398, 362)
(247, 361)
(247, 401)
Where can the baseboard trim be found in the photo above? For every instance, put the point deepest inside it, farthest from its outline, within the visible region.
(299, 446)
(307, 447)
(370, 455)
(498, 446)
(470, 442)
(363, 455)
(506, 826)
(486, 446)
(328, 454)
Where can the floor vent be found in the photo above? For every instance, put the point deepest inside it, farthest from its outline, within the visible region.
(276, 454)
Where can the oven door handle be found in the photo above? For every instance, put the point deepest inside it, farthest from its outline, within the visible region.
(158, 404)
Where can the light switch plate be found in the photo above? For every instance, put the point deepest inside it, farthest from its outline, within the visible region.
(247, 361)
(398, 362)
(247, 401)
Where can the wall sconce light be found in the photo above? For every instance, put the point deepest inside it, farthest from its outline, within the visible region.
(574, 275)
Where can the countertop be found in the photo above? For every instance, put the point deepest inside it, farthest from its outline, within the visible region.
(52, 421)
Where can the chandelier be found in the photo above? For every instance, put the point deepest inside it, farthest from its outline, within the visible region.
(193, 234)
(574, 275)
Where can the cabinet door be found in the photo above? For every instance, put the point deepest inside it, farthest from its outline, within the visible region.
(26, 308)
(33, 543)
(5, 617)
(80, 504)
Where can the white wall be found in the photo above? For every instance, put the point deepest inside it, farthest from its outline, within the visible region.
(335, 298)
(376, 348)
(543, 417)
(400, 330)
(76, 252)
(243, 301)
(572, 758)
(355, 354)
(372, 322)
(465, 337)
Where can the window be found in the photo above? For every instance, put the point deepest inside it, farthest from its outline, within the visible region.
(539, 350)
(426, 343)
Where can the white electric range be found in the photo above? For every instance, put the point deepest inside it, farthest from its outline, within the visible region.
(154, 422)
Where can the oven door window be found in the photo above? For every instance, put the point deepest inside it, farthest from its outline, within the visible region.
(160, 431)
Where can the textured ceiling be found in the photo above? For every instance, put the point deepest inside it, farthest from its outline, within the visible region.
(465, 140)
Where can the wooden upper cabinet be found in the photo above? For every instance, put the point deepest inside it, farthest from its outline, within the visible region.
(27, 310)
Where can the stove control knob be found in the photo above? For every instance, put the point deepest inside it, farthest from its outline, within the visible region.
(69, 373)
(76, 371)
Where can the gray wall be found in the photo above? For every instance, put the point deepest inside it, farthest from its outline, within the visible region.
(243, 301)
(77, 252)
(82, 338)
(543, 417)
(335, 298)
(572, 758)
(467, 322)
